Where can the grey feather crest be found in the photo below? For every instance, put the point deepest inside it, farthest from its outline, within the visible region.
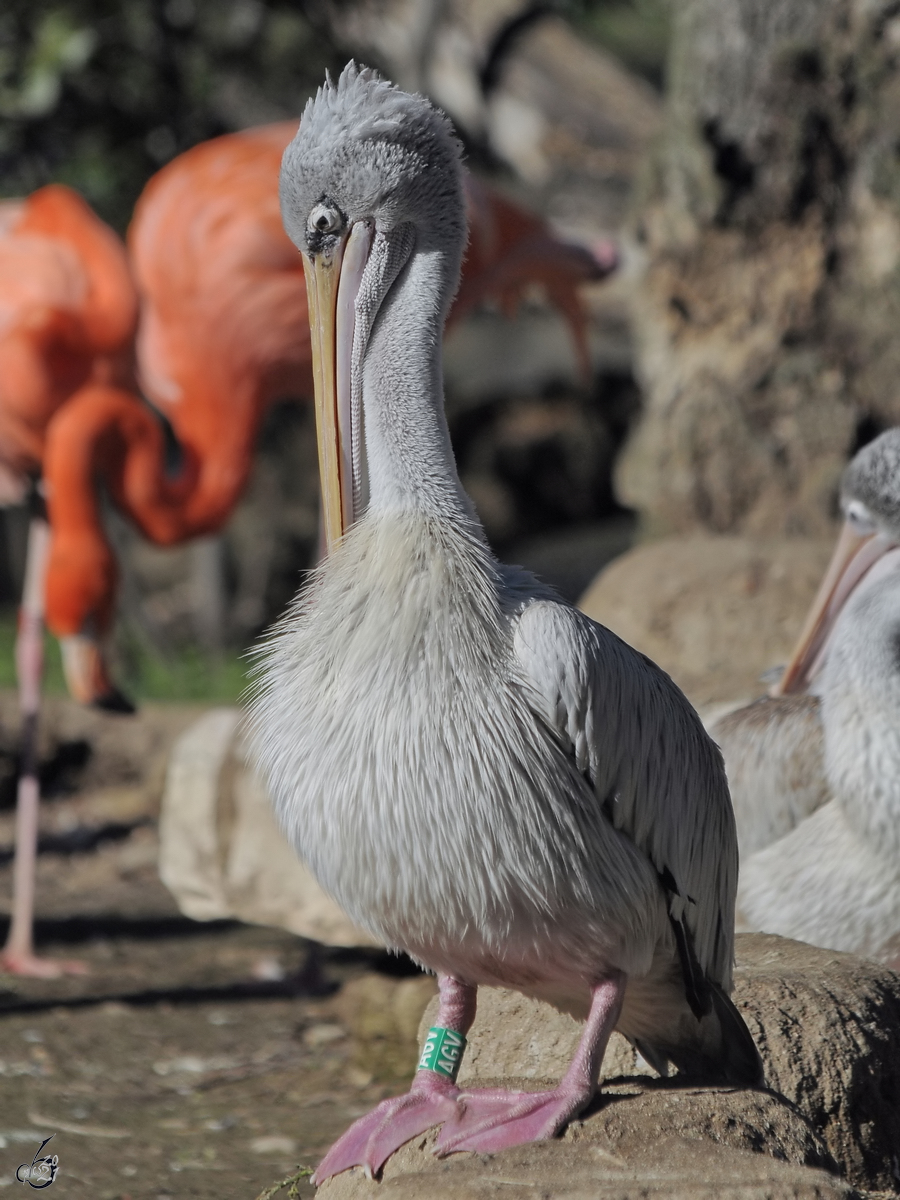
(365, 105)
(873, 476)
(375, 151)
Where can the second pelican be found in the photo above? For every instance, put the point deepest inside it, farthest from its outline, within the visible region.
(816, 769)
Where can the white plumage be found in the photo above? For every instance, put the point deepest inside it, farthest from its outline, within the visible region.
(479, 774)
(775, 762)
(485, 778)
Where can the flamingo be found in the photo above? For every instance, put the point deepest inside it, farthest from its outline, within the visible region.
(67, 318)
(478, 773)
(817, 765)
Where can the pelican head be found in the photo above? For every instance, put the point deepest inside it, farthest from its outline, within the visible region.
(870, 502)
(373, 177)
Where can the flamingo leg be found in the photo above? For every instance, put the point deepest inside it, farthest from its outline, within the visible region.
(18, 957)
(490, 1120)
(370, 1141)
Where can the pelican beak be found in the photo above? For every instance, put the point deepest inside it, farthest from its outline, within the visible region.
(332, 285)
(854, 555)
(322, 277)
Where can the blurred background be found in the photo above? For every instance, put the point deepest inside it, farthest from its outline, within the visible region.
(556, 105)
(679, 481)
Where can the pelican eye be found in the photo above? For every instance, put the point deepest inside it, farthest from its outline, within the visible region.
(324, 219)
(859, 517)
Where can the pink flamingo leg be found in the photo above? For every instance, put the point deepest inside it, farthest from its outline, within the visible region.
(431, 1100)
(18, 957)
(492, 1120)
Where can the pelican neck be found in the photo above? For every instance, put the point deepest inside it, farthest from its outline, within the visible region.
(409, 458)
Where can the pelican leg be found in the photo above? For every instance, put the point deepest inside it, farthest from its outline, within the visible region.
(492, 1120)
(370, 1141)
(17, 956)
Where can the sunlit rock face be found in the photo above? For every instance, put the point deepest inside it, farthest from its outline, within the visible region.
(769, 226)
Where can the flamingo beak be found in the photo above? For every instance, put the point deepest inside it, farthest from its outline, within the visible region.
(87, 677)
(332, 285)
(854, 555)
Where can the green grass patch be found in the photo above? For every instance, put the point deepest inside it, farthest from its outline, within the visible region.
(186, 674)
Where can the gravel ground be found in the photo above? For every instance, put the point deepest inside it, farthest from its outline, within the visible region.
(194, 1060)
(212, 1092)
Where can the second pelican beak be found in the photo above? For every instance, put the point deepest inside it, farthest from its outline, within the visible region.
(332, 285)
(853, 557)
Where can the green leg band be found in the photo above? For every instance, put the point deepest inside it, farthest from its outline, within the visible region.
(443, 1052)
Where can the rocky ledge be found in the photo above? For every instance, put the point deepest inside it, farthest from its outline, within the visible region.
(828, 1125)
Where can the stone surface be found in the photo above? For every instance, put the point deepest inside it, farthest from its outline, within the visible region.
(646, 1165)
(828, 1028)
(715, 612)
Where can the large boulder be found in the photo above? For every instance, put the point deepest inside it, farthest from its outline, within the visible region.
(383, 1016)
(828, 1028)
(715, 612)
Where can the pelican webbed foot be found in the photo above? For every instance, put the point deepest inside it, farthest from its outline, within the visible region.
(432, 1099)
(495, 1120)
(491, 1120)
(370, 1141)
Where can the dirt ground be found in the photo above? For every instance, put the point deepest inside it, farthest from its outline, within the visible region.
(194, 1060)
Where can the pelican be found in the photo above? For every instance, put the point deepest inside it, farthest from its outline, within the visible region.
(480, 775)
(775, 762)
(826, 867)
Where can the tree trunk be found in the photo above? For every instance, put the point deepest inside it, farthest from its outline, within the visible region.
(769, 222)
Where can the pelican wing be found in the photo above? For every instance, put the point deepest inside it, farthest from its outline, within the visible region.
(774, 752)
(658, 775)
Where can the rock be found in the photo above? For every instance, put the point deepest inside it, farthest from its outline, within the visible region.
(769, 229)
(645, 1166)
(222, 853)
(714, 612)
(828, 1028)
